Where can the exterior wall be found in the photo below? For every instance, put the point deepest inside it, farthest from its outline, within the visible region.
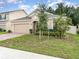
(16, 15)
(3, 16)
(10, 16)
(8, 25)
(13, 16)
(26, 24)
(50, 24)
(3, 24)
(16, 18)
(34, 17)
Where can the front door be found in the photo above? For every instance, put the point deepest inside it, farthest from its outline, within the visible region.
(35, 25)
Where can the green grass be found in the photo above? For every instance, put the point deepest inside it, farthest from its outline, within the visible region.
(68, 49)
(3, 33)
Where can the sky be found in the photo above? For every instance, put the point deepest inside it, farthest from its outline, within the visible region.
(31, 5)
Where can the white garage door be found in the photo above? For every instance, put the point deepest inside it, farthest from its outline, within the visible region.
(20, 28)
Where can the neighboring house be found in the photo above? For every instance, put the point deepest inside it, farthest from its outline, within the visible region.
(6, 19)
(19, 22)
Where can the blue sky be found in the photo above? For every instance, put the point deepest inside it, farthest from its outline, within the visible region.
(30, 5)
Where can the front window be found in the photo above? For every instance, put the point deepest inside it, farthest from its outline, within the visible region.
(2, 16)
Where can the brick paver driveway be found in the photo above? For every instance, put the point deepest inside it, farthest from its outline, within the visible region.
(7, 53)
(8, 36)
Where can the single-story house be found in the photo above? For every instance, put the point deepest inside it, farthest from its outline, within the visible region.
(18, 21)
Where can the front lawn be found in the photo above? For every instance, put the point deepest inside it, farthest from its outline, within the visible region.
(68, 49)
(3, 33)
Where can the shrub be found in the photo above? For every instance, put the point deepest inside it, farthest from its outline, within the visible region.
(51, 30)
(4, 30)
(31, 31)
(1, 29)
(9, 31)
(46, 33)
(78, 32)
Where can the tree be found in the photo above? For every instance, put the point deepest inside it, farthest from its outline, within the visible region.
(60, 9)
(50, 10)
(62, 25)
(42, 7)
(42, 21)
(76, 17)
(70, 12)
(42, 24)
(73, 14)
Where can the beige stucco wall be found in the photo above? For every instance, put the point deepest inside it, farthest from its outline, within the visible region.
(16, 18)
(8, 25)
(14, 15)
(26, 21)
(17, 14)
(3, 24)
(34, 17)
(50, 24)
(24, 25)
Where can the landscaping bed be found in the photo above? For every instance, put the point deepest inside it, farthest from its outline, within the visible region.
(64, 48)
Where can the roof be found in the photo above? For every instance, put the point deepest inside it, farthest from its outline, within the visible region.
(28, 16)
(23, 19)
(37, 10)
(33, 12)
(13, 11)
(49, 14)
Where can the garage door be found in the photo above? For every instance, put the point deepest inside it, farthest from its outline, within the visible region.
(20, 28)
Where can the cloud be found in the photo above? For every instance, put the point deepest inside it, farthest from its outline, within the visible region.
(23, 6)
(27, 8)
(14, 1)
(33, 8)
(49, 1)
(2, 4)
(53, 3)
(11, 1)
(60, 1)
(70, 4)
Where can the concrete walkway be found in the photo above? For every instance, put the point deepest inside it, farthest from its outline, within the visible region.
(8, 36)
(7, 53)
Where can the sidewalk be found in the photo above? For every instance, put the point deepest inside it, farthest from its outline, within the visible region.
(9, 35)
(7, 53)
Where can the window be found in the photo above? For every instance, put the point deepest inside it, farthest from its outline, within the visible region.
(2, 16)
